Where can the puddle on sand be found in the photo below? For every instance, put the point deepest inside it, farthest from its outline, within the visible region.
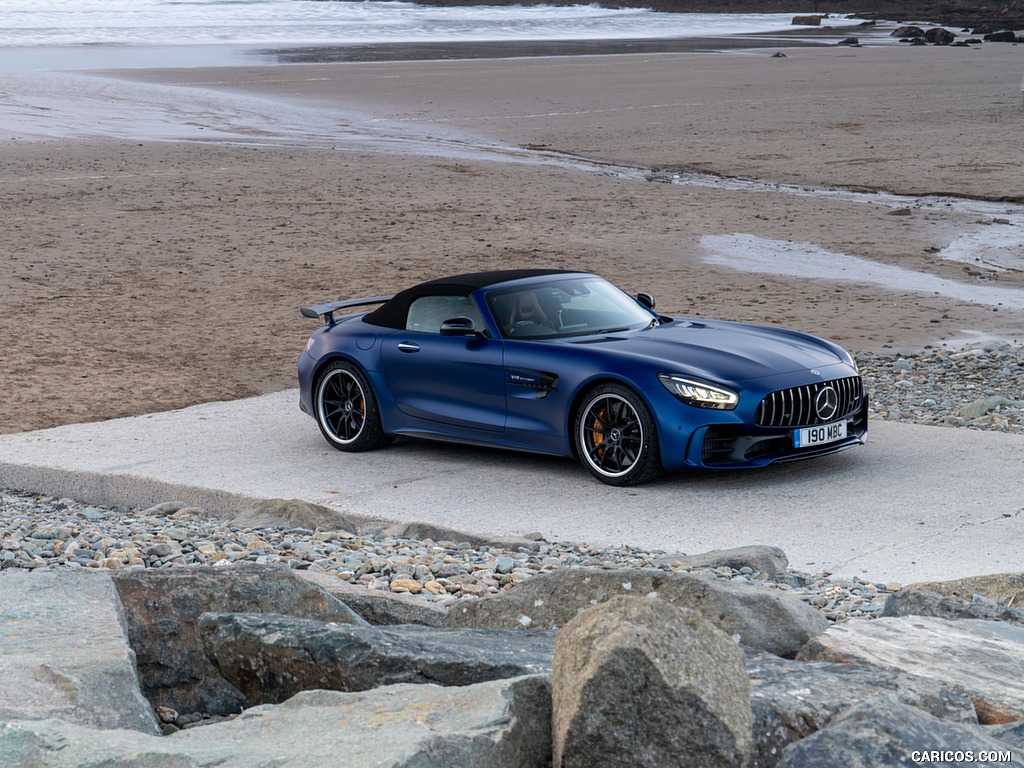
(750, 253)
(994, 240)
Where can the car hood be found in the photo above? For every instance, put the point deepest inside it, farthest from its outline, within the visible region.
(722, 351)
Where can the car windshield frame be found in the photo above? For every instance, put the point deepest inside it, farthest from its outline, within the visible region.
(591, 304)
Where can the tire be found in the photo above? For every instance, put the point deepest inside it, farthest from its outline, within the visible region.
(346, 409)
(615, 437)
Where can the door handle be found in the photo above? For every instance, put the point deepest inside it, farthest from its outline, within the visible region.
(408, 346)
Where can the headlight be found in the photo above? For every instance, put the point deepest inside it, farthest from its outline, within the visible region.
(698, 393)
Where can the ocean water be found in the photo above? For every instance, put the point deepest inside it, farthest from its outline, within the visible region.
(327, 22)
(48, 48)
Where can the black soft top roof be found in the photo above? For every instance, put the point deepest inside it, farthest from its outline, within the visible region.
(394, 313)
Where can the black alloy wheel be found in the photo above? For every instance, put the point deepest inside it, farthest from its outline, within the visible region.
(346, 409)
(616, 438)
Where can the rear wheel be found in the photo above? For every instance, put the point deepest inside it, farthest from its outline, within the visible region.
(346, 409)
(616, 438)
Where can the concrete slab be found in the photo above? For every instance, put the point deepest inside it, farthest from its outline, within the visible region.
(915, 503)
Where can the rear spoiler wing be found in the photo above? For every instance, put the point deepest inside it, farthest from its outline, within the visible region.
(327, 310)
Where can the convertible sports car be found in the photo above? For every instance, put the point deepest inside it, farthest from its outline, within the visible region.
(565, 363)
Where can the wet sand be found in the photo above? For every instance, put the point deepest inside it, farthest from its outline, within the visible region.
(144, 273)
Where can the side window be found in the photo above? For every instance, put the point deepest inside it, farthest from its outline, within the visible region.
(428, 312)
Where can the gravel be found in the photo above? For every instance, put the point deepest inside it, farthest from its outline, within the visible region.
(980, 386)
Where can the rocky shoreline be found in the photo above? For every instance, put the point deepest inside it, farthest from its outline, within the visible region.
(387, 637)
(576, 667)
(1005, 15)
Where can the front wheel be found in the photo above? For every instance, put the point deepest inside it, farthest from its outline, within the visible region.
(616, 438)
(346, 409)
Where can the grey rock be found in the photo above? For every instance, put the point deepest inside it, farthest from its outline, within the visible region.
(163, 606)
(766, 619)
(420, 530)
(296, 514)
(164, 509)
(161, 549)
(985, 405)
(794, 699)
(271, 658)
(877, 735)
(641, 682)
(378, 607)
(502, 724)
(771, 561)
(907, 31)
(939, 36)
(1002, 36)
(989, 656)
(1011, 734)
(64, 652)
(918, 602)
(1004, 588)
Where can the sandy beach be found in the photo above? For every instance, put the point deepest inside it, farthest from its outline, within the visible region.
(156, 255)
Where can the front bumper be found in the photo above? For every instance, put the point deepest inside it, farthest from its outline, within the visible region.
(731, 440)
(729, 446)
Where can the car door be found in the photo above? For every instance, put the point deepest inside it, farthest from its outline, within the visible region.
(451, 380)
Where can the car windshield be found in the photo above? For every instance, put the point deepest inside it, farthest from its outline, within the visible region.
(572, 307)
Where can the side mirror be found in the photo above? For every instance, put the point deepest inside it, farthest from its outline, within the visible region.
(458, 326)
(646, 299)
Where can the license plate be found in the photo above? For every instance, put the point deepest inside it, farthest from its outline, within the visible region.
(820, 435)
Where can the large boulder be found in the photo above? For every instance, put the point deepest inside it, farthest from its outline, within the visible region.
(1004, 588)
(1011, 734)
(762, 618)
(1002, 36)
(919, 602)
(770, 561)
(270, 658)
(874, 735)
(64, 652)
(983, 659)
(794, 699)
(501, 724)
(939, 36)
(640, 682)
(163, 607)
(439, 533)
(908, 32)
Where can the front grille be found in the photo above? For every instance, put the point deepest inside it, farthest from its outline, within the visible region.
(796, 407)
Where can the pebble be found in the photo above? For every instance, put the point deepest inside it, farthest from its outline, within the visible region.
(39, 531)
(978, 386)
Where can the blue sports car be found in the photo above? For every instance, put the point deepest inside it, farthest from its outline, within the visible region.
(565, 363)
